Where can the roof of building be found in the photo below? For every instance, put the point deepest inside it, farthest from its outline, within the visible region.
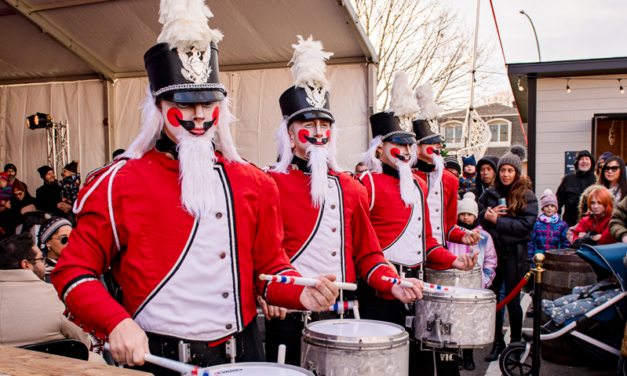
(490, 110)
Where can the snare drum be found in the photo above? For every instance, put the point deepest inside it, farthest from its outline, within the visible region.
(455, 277)
(355, 348)
(255, 369)
(462, 319)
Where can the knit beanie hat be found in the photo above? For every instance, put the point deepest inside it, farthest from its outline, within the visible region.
(4, 176)
(451, 162)
(48, 229)
(603, 157)
(548, 198)
(489, 160)
(469, 160)
(72, 167)
(18, 186)
(43, 170)
(10, 166)
(514, 158)
(468, 205)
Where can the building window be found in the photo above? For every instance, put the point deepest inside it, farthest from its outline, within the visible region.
(501, 132)
(453, 133)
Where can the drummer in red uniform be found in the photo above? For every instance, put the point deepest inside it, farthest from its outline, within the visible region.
(325, 218)
(186, 230)
(399, 212)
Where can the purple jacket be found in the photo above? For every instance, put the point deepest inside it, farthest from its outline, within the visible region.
(547, 236)
(487, 255)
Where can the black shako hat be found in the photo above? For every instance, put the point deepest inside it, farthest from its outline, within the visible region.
(184, 76)
(304, 104)
(392, 128)
(424, 134)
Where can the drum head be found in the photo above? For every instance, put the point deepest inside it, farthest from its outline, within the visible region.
(355, 333)
(257, 369)
(460, 294)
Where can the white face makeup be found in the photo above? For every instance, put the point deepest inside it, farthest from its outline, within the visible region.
(391, 152)
(428, 150)
(194, 118)
(303, 134)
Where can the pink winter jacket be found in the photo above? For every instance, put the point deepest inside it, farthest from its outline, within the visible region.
(487, 255)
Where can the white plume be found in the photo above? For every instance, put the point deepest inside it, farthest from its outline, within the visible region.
(185, 24)
(402, 101)
(425, 99)
(285, 148)
(309, 65)
(370, 156)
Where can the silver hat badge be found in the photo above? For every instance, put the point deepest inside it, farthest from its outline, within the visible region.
(315, 97)
(195, 65)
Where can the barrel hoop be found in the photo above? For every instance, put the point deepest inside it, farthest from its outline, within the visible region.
(569, 267)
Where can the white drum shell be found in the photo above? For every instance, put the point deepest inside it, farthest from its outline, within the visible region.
(348, 355)
(257, 369)
(471, 278)
(470, 313)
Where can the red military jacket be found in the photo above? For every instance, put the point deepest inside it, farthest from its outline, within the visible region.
(335, 238)
(442, 204)
(181, 276)
(404, 232)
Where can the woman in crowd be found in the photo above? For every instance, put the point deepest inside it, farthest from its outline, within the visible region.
(510, 226)
(613, 177)
(593, 229)
(52, 239)
(21, 203)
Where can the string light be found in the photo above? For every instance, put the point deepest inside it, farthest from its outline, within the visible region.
(567, 86)
(520, 88)
(622, 91)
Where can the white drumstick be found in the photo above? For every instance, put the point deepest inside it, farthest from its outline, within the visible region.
(304, 281)
(427, 288)
(470, 232)
(165, 363)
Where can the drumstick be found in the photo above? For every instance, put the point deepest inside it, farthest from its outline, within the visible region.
(304, 281)
(165, 363)
(407, 284)
(470, 232)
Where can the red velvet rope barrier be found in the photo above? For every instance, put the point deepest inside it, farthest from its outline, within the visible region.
(515, 292)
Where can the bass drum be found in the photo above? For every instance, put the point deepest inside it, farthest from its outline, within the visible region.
(255, 369)
(454, 277)
(355, 348)
(460, 318)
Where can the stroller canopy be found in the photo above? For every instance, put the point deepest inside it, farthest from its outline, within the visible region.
(606, 260)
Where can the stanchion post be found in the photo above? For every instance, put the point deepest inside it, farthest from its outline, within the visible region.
(538, 259)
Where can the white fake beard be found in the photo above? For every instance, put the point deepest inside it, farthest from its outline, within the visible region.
(318, 159)
(409, 194)
(196, 173)
(438, 161)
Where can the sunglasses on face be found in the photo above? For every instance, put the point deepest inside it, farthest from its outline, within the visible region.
(63, 239)
(612, 168)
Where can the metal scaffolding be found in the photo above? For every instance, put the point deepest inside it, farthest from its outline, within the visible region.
(58, 140)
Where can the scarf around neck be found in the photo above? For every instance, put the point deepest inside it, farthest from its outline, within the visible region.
(552, 219)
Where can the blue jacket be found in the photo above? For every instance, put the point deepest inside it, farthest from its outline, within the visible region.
(547, 236)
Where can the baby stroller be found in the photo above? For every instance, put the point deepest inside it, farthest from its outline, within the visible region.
(598, 333)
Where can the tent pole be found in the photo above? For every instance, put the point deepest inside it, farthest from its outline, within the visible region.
(110, 111)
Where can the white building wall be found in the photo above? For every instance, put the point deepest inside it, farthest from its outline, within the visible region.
(564, 121)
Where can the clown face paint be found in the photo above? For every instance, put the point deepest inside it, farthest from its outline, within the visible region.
(306, 133)
(195, 118)
(427, 151)
(391, 152)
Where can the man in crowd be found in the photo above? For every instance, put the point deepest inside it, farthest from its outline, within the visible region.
(48, 196)
(487, 173)
(11, 171)
(361, 167)
(573, 185)
(190, 266)
(324, 211)
(36, 313)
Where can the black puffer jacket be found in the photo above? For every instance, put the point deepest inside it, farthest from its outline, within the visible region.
(508, 231)
(571, 188)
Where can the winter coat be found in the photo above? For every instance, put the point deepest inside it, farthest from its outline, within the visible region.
(599, 225)
(618, 223)
(569, 191)
(508, 231)
(487, 255)
(547, 236)
(47, 198)
(69, 188)
(466, 183)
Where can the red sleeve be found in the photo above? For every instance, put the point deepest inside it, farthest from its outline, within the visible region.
(370, 264)
(582, 226)
(438, 257)
(453, 234)
(87, 256)
(268, 256)
(606, 237)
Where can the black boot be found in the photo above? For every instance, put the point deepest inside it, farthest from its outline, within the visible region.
(460, 362)
(497, 349)
(469, 361)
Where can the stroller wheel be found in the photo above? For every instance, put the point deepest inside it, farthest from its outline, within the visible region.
(622, 366)
(510, 361)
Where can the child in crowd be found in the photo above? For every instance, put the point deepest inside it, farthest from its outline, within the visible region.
(549, 232)
(467, 212)
(593, 229)
(71, 182)
(469, 178)
(6, 192)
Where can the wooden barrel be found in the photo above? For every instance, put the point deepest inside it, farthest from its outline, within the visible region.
(564, 270)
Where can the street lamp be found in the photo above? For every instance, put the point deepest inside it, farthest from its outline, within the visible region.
(534, 32)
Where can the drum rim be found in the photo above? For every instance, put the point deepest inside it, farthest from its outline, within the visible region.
(351, 343)
(455, 297)
(475, 270)
(261, 364)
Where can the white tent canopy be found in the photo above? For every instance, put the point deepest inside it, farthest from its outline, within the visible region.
(82, 61)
